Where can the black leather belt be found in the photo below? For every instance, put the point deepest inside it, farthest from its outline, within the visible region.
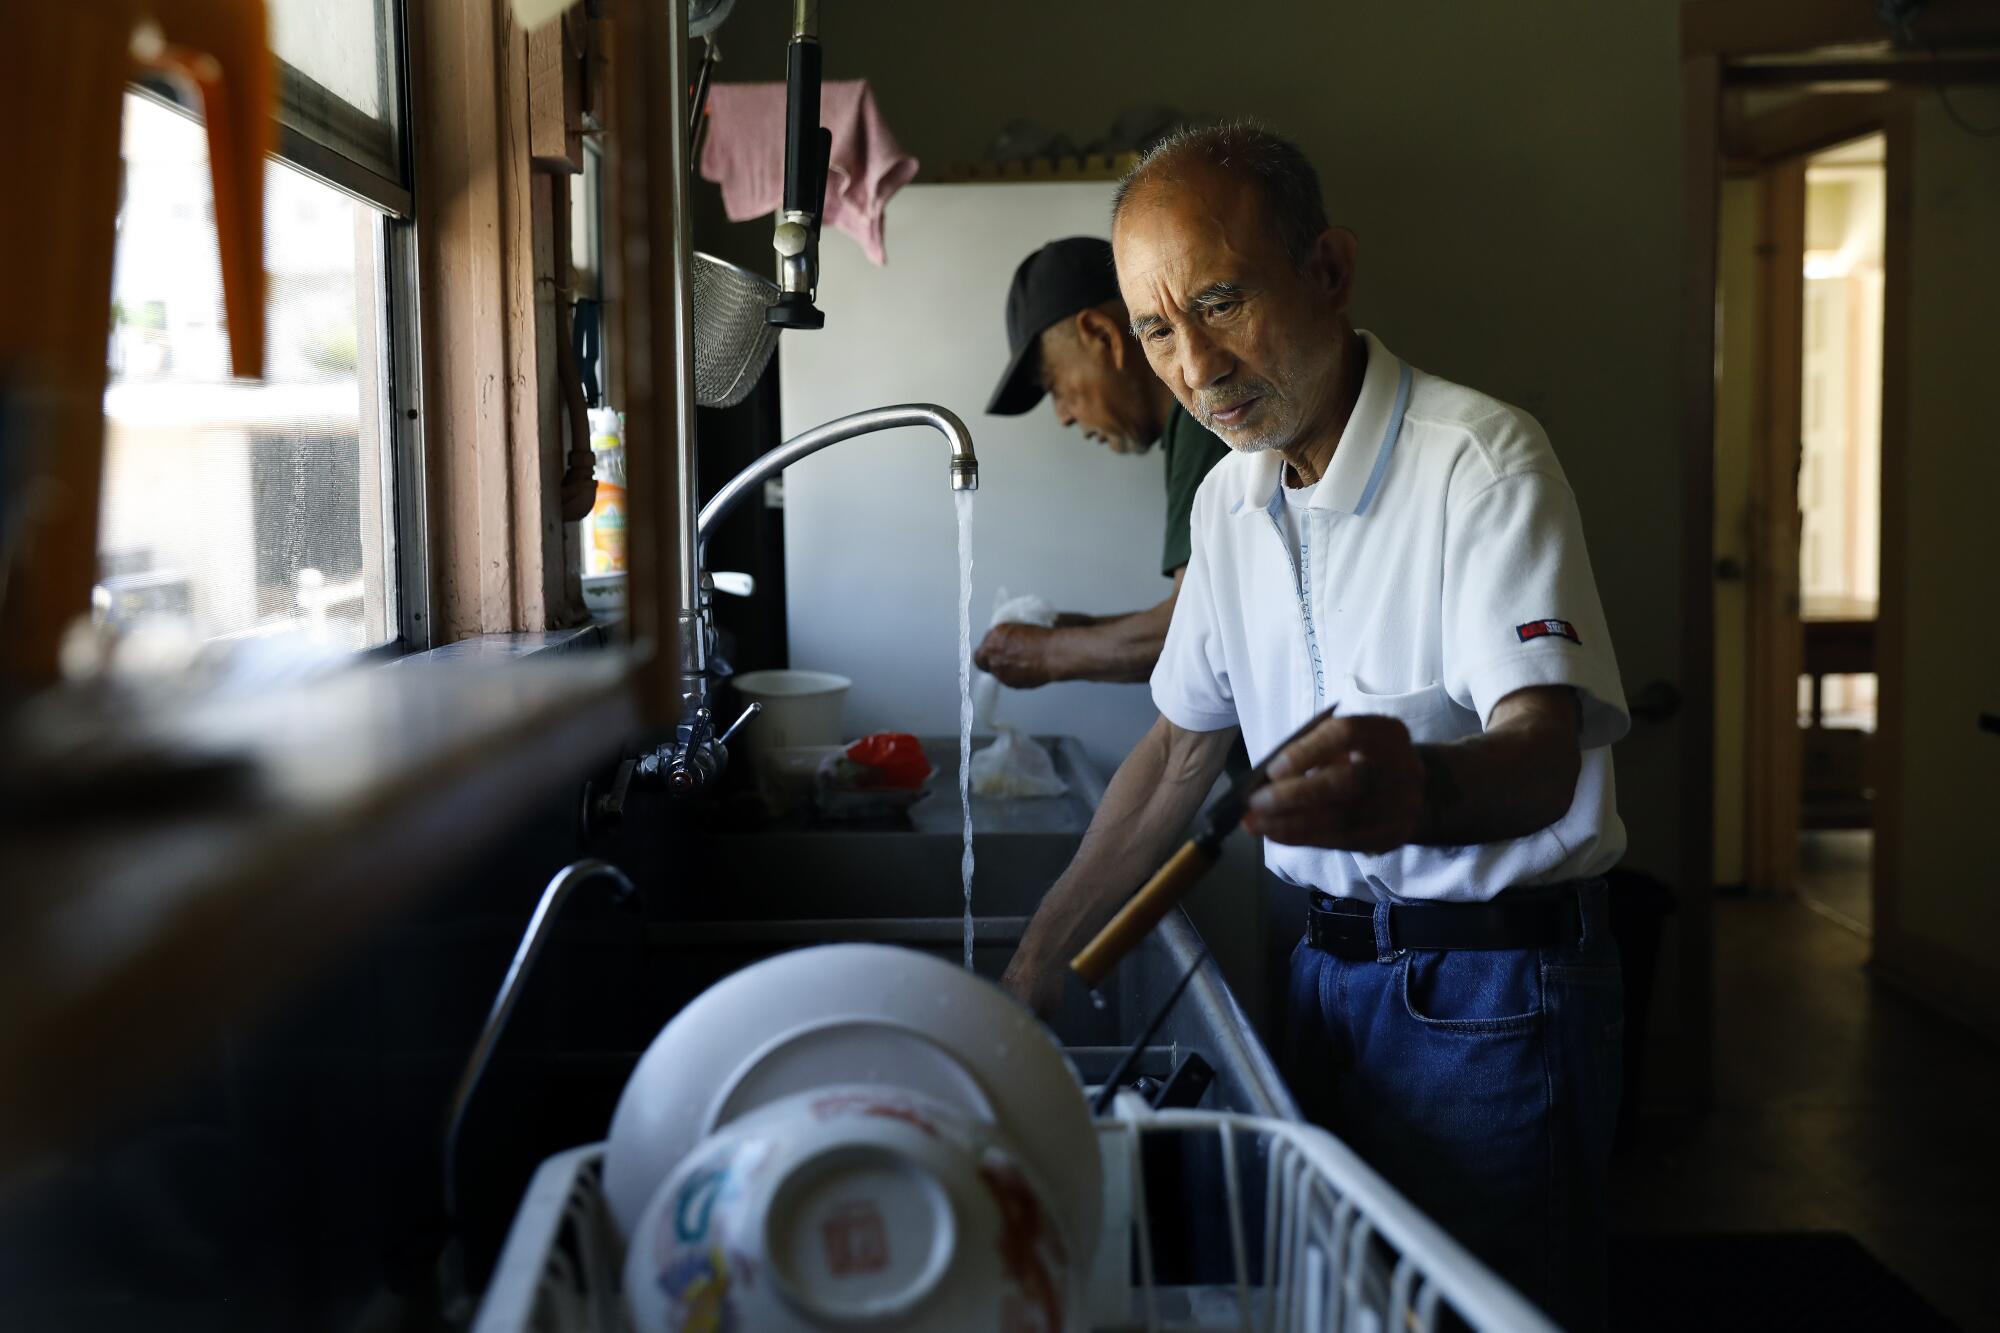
(1345, 927)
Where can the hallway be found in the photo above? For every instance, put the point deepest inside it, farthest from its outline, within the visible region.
(1840, 1106)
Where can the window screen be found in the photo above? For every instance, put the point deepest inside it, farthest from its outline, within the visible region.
(340, 85)
(232, 507)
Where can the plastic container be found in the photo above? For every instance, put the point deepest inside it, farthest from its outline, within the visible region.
(800, 708)
(881, 774)
(604, 526)
(607, 429)
(606, 552)
(786, 775)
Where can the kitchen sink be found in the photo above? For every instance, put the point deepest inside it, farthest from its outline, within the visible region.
(713, 900)
(717, 901)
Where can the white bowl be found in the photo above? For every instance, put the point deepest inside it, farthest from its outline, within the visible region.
(800, 708)
(851, 1207)
(855, 1013)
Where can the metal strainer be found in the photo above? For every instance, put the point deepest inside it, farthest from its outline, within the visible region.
(732, 339)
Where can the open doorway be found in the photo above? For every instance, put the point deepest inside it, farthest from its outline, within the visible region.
(1819, 1073)
(1797, 523)
(1839, 499)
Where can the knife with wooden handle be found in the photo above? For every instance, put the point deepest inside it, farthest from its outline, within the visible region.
(1183, 870)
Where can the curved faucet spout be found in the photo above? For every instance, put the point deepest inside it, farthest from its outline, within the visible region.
(695, 756)
(964, 463)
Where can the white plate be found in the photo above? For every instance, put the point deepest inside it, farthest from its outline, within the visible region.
(855, 1013)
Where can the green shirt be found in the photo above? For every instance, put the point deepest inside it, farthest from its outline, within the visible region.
(1191, 451)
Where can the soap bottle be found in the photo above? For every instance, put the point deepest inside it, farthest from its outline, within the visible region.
(604, 530)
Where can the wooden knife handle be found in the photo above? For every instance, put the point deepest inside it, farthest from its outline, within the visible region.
(1142, 912)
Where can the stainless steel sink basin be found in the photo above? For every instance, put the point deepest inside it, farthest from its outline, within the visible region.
(718, 901)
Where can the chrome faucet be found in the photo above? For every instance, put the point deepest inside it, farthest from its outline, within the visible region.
(697, 754)
(964, 463)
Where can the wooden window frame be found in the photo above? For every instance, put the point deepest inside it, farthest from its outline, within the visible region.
(500, 557)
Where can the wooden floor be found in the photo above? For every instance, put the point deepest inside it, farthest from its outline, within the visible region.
(1840, 1106)
(1835, 875)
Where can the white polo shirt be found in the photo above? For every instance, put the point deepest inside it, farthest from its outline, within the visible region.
(1444, 569)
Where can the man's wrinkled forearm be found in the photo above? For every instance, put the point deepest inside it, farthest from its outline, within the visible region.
(1119, 649)
(1144, 812)
(1516, 778)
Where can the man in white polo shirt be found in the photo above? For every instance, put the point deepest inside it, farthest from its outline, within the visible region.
(1407, 552)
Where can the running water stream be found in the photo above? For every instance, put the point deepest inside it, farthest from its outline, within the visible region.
(963, 501)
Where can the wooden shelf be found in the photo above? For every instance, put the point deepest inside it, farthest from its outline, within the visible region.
(127, 938)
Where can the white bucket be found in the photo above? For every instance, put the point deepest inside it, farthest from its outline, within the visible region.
(800, 708)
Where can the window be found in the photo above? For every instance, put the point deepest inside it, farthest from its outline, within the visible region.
(340, 93)
(234, 508)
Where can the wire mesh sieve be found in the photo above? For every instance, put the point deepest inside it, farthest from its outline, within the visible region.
(732, 339)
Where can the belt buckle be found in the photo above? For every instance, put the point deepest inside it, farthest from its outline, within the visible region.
(1345, 935)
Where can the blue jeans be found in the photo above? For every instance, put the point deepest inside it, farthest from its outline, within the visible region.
(1484, 1086)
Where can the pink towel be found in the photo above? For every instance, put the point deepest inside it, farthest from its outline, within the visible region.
(745, 155)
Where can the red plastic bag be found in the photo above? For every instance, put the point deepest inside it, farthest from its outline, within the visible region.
(895, 755)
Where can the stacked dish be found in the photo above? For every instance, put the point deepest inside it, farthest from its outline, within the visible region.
(854, 1136)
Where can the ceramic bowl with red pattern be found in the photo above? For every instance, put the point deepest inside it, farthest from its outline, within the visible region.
(856, 1013)
(848, 1207)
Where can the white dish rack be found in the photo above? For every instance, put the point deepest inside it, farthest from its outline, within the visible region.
(1294, 1234)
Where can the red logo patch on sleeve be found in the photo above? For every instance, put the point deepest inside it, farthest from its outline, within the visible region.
(1542, 629)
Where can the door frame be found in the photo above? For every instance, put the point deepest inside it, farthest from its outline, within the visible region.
(1774, 753)
(1775, 147)
(1726, 45)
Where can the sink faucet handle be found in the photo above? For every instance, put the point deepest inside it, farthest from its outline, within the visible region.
(734, 583)
(737, 725)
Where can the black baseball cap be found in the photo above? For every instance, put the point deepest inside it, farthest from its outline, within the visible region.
(1052, 284)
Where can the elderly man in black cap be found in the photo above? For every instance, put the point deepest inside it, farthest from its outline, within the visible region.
(1070, 337)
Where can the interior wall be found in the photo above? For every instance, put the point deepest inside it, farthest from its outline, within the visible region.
(1945, 870)
(870, 532)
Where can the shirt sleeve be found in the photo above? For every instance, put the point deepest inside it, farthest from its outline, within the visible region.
(1191, 680)
(1521, 606)
(1191, 452)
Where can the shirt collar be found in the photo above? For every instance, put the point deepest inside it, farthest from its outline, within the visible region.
(1362, 456)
